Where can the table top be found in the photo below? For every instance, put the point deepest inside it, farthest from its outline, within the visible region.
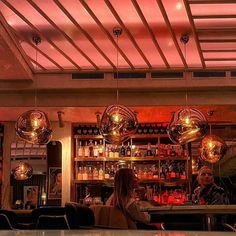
(191, 209)
(103, 232)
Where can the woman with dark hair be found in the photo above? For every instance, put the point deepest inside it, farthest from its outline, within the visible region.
(124, 196)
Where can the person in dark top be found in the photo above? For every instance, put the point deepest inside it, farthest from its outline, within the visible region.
(208, 193)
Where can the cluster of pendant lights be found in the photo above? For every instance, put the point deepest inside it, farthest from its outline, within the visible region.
(118, 123)
(188, 125)
(34, 127)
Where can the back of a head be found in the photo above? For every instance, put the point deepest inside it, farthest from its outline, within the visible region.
(124, 184)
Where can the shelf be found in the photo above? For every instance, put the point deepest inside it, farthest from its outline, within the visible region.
(131, 159)
(110, 181)
(135, 136)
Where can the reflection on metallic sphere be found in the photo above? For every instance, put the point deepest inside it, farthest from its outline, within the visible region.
(118, 123)
(23, 171)
(187, 125)
(34, 127)
(213, 148)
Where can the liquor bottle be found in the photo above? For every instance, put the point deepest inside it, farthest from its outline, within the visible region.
(85, 174)
(79, 130)
(107, 173)
(101, 149)
(90, 173)
(122, 150)
(139, 130)
(116, 151)
(150, 129)
(90, 130)
(100, 174)
(112, 172)
(90, 145)
(95, 173)
(86, 150)
(128, 151)
(80, 175)
(156, 129)
(149, 152)
(80, 150)
(95, 149)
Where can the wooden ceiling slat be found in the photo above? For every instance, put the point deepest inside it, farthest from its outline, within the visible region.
(216, 29)
(142, 17)
(221, 59)
(189, 13)
(164, 14)
(219, 50)
(68, 38)
(85, 5)
(36, 63)
(36, 30)
(84, 32)
(213, 16)
(210, 1)
(217, 40)
(112, 9)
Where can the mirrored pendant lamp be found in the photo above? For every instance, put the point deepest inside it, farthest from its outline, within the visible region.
(22, 171)
(33, 126)
(188, 124)
(118, 122)
(212, 149)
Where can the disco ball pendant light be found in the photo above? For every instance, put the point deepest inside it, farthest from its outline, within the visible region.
(33, 126)
(23, 171)
(188, 124)
(118, 122)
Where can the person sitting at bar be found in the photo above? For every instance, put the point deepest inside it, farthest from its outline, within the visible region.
(124, 197)
(208, 193)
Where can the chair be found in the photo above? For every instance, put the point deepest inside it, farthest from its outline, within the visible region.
(51, 210)
(11, 216)
(111, 217)
(79, 216)
(5, 223)
(52, 222)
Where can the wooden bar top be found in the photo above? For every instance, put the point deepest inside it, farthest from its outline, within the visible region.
(190, 209)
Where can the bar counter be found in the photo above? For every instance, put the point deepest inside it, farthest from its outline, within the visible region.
(207, 211)
(110, 233)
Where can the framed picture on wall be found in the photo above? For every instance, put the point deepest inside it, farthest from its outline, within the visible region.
(30, 197)
(54, 183)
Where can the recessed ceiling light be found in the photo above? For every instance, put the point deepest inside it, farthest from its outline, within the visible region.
(179, 6)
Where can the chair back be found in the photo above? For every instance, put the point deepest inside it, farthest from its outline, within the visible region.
(5, 223)
(11, 216)
(51, 210)
(79, 216)
(52, 222)
(111, 217)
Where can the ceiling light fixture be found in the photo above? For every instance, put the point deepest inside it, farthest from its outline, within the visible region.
(187, 124)
(34, 126)
(118, 122)
(22, 171)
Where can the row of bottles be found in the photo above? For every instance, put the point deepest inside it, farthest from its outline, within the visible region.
(143, 128)
(152, 128)
(94, 149)
(168, 170)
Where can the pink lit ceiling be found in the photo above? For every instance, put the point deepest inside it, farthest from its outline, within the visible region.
(77, 35)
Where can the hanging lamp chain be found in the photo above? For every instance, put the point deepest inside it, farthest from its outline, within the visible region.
(184, 39)
(117, 31)
(37, 40)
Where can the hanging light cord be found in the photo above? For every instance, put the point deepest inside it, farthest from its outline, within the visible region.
(186, 90)
(36, 82)
(117, 72)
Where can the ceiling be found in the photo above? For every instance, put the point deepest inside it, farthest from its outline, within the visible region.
(77, 36)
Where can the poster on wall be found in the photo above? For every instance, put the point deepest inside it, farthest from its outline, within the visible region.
(55, 183)
(31, 197)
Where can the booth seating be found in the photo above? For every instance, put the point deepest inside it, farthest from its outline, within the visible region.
(5, 223)
(52, 222)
